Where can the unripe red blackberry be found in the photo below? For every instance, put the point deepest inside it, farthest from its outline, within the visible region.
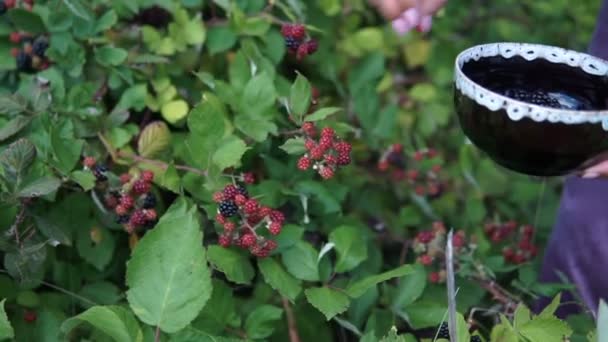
(138, 218)
(458, 240)
(397, 148)
(304, 163)
(312, 46)
(14, 51)
(111, 201)
(125, 178)
(254, 219)
(277, 216)
(298, 31)
(127, 201)
(30, 316)
(425, 236)
(10, 3)
(383, 165)
(325, 142)
(224, 240)
(230, 191)
(309, 144)
(302, 51)
(420, 190)
(343, 159)
(330, 159)
(120, 210)
(326, 172)
(15, 37)
(240, 199)
(248, 178)
(508, 253)
(418, 155)
(317, 153)
(275, 228)
(251, 206)
(150, 214)
(328, 132)
(309, 129)
(219, 218)
(248, 240)
(287, 30)
(229, 226)
(147, 175)
(270, 245)
(431, 153)
(342, 147)
(425, 259)
(140, 187)
(88, 162)
(434, 277)
(265, 211)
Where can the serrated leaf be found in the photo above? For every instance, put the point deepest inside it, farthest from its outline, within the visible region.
(52, 231)
(550, 309)
(545, 329)
(411, 287)
(351, 247)
(299, 96)
(233, 264)
(329, 301)
(27, 21)
(114, 321)
(85, 179)
(230, 152)
(358, 288)
(15, 160)
(40, 187)
(294, 146)
(261, 322)
(322, 113)
(301, 261)
(12, 104)
(106, 21)
(6, 330)
(154, 139)
(167, 275)
(259, 95)
(14, 126)
(108, 55)
(255, 127)
(279, 279)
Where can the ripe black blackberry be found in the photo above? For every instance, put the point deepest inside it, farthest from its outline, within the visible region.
(24, 61)
(242, 190)
(396, 159)
(533, 97)
(228, 208)
(99, 172)
(444, 332)
(149, 201)
(150, 224)
(291, 43)
(39, 47)
(123, 219)
(475, 338)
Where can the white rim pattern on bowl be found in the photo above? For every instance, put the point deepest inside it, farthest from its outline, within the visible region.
(516, 110)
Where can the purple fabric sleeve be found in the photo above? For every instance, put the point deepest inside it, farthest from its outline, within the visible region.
(578, 247)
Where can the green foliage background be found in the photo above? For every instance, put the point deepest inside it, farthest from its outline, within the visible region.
(210, 93)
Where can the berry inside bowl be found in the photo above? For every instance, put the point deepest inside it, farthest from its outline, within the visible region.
(534, 109)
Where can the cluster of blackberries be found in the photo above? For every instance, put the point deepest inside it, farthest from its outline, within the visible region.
(519, 247)
(429, 246)
(444, 332)
(30, 55)
(98, 170)
(241, 216)
(423, 175)
(296, 42)
(536, 97)
(134, 205)
(326, 154)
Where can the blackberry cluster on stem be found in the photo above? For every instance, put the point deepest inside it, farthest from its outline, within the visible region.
(423, 171)
(98, 170)
(326, 154)
(30, 52)
(429, 245)
(242, 217)
(516, 241)
(297, 42)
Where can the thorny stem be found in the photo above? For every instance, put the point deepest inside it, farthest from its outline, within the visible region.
(115, 155)
(157, 334)
(291, 321)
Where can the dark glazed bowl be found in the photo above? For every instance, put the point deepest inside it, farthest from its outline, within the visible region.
(534, 109)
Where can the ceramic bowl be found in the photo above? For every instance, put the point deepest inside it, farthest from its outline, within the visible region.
(534, 109)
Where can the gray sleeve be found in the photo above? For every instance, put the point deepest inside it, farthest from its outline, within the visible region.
(599, 42)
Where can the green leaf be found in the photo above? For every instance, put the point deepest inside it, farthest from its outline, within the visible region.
(175, 111)
(102, 292)
(279, 279)
(230, 152)
(15, 160)
(40, 187)
(301, 261)
(97, 253)
(358, 288)
(108, 55)
(411, 287)
(259, 95)
(84, 178)
(550, 309)
(255, 127)
(27, 21)
(521, 316)
(6, 330)
(154, 139)
(66, 149)
(114, 321)
(190, 334)
(392, 336)
(299, 97)
(52, 231)
(322, 113)
(351, 247)
(545, 329)
(294, 146)
(78, 9)
(167, 275)
(106, 21)
(170, 179)
(220, 39)
(208, 119)
(14, 126)
(329, 301)
(134, 97)
(262, 321)
(233, 264)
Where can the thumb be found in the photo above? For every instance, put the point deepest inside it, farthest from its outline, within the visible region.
(597, 170)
